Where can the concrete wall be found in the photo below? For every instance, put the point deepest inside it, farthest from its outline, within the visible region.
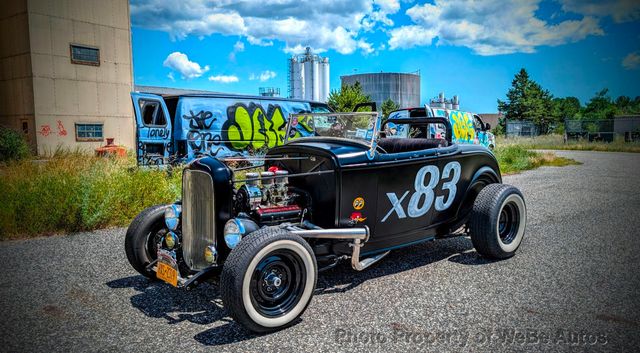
(402, 88)
(16, 85)
(66, 93)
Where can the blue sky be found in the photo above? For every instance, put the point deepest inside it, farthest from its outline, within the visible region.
(468, 48)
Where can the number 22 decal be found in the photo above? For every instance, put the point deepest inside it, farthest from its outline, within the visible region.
(424, 190)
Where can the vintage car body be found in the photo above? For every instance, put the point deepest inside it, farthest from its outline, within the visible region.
(355, 176)
(321, 199)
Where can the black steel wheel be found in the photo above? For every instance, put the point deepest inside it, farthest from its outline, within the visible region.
(498, 220)
(268, 279)
(508, 222)
(277, 283)
(143, 235)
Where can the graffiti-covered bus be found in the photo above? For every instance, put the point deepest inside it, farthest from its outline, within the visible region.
(175, 129)
(467, 127)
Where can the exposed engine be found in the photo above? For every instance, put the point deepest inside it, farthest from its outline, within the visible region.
(267, 199)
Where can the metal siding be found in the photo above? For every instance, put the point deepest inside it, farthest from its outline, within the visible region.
(402, 88)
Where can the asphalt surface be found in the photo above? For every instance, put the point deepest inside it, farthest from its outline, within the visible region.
(572, 286)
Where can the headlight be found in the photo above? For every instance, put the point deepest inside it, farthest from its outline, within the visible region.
(236, 228)
(233, 232)
(172, 216)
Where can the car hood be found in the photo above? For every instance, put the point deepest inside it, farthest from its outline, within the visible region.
(346, 152)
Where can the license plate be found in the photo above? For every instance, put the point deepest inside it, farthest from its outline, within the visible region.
(167, 274)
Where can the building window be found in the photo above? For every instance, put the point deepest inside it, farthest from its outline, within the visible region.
(85, 55)
(89, 132)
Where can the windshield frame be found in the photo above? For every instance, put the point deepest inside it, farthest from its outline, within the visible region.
(371, 143)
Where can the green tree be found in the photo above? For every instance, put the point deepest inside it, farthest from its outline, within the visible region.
(388, 106)
(527, 100)
(626, 105)
(600, 106)
(623, 103)
(566, 108)
(347, 97)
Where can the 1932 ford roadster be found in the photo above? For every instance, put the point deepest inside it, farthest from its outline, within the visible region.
(339, 188)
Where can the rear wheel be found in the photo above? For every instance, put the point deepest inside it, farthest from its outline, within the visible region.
(142, 238)
(268, 279)
(498, 221)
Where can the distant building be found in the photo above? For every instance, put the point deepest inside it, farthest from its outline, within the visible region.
(66, 72)
(269, 91)
(491, 118)
(402, 88)
(308, 77)
(444, 103)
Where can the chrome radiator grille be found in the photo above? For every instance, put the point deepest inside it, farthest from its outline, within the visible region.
(198, 217)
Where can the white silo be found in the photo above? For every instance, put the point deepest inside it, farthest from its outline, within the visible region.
(309, 77)
(324, 87)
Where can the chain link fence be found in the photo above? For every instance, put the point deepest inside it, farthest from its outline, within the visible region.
(521, 128)
(625, 128)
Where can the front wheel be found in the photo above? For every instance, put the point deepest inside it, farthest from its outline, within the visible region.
(268, 279)
(143, 235)
(498, 221)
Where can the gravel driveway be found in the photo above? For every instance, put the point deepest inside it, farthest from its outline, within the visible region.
(572, 286)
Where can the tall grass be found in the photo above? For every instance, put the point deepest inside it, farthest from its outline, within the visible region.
(515, 158)
(556, 142)
(73, 192)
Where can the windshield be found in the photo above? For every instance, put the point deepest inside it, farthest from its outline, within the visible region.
(353, 126)
(425, 129)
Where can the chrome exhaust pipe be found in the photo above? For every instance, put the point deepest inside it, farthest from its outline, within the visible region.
(359, 235)
(338, 233)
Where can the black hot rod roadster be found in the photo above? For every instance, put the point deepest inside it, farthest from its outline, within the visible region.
(341, 187)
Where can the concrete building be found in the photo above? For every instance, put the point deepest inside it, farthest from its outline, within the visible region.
(402, 88)
(66, 72)
(308, 77)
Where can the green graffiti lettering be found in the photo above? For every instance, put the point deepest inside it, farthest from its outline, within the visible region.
(249, 127)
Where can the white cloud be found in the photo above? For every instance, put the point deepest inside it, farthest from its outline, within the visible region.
(260, 42)
(264, 76)
(631, 61)
(320, 24)
(300, 49)
(619, 10)
(224, 78)
(488, 27)
(237, 48)
(170, 76)
(188, 69)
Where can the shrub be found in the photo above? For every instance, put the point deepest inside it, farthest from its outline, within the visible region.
(13, 146)
(74, 192)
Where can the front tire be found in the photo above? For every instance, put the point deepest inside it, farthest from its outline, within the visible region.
(498, 221)
(268, 279)
(142, 237)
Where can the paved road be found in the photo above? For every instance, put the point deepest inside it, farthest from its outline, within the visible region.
(572, 286)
